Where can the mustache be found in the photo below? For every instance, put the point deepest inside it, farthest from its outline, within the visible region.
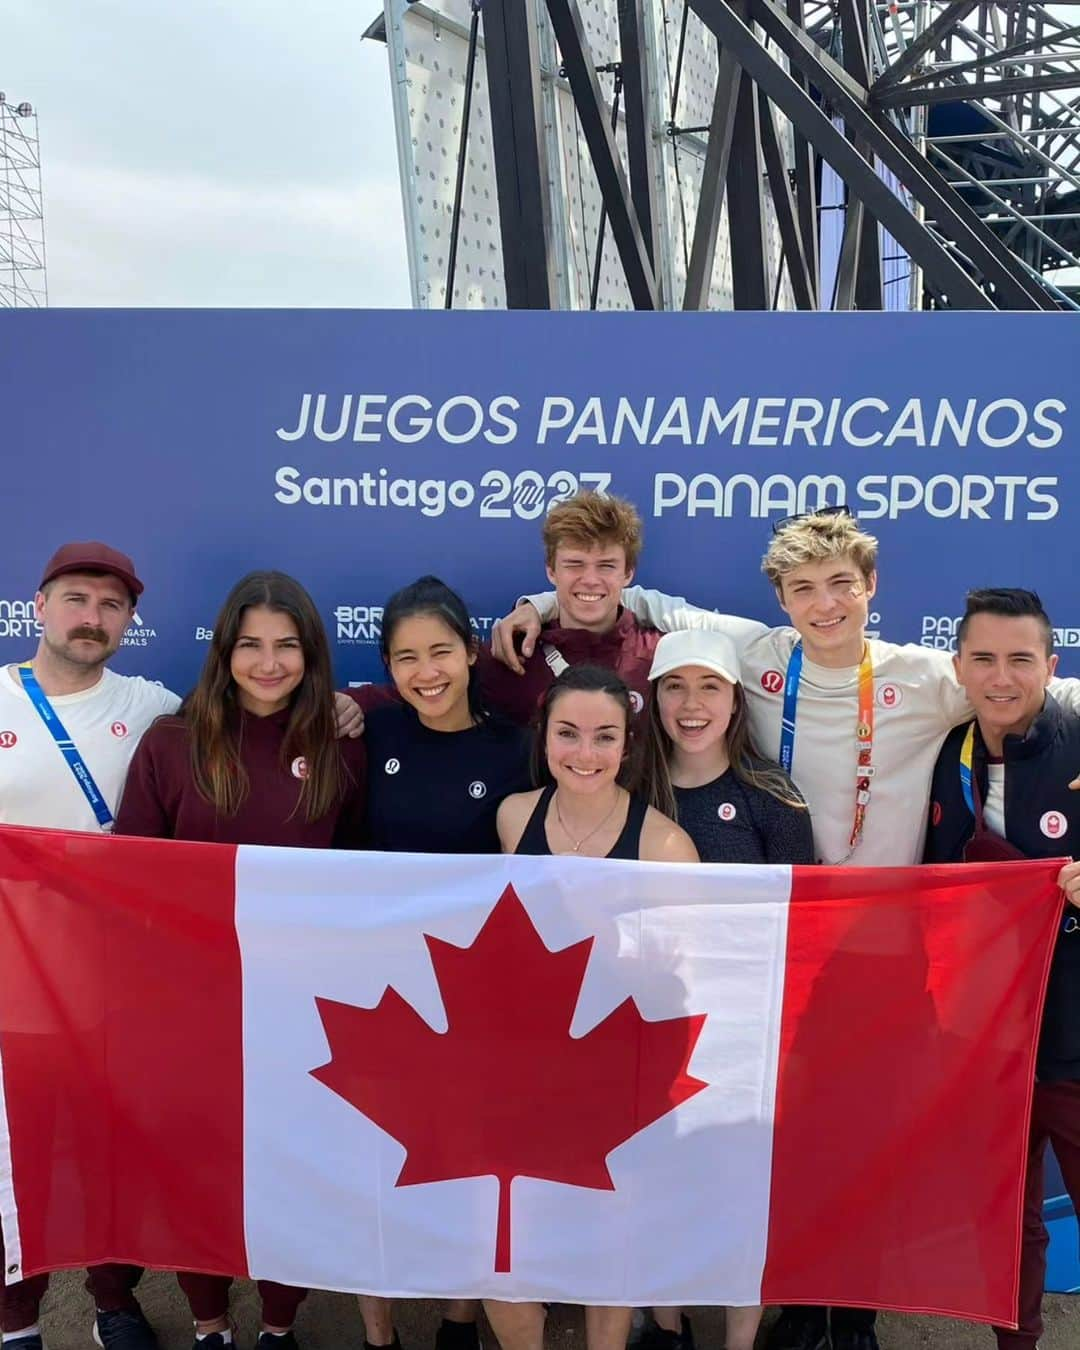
(90, 633)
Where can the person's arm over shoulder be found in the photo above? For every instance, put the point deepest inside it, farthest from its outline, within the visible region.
(664, 841)
(142, 808)
(513, 816)
(666, 613)
(1066, 690)
(371, 696)
(351, 828)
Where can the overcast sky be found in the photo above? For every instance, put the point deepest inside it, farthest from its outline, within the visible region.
(238, 153)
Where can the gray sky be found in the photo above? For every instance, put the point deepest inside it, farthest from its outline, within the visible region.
(238, 153)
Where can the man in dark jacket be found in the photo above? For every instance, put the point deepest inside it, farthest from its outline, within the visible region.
(1000, 789)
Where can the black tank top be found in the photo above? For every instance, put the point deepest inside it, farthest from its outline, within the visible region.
(628, 844)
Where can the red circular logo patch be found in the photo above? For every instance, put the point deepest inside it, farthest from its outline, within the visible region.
(299, 767)
(889, 696)
(726, 811)
(119, 730)
(1053, 824)
(8, 740)
(772, 681)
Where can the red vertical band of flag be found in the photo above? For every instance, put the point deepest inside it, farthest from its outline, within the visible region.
(121, 1043)
(907, 1060)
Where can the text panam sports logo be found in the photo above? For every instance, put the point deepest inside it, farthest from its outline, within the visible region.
(939, 632)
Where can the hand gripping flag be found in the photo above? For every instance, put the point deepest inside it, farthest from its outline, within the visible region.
(566, 1079)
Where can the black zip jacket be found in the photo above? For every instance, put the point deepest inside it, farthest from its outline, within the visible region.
(1042, 820)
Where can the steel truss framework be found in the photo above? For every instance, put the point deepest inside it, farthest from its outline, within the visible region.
(22, 229)
(967, 106)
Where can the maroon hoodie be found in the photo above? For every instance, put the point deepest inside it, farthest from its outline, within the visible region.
(627, 648)
(160, 799)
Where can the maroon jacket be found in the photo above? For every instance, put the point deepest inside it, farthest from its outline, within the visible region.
(160, 799)
(627, 649)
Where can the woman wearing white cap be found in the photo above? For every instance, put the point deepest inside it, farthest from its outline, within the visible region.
(703, 771)
(702, 768)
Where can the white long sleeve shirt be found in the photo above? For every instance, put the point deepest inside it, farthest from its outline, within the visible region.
(917, 700)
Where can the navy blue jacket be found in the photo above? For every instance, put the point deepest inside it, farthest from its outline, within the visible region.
(1042, 820)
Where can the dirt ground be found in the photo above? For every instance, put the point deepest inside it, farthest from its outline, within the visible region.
(332, 1322)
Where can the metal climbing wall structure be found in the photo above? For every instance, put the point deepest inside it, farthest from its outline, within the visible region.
(747, 154)
(22, 222)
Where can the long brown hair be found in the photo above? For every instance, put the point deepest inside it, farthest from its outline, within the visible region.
(747, 764)
(212, 712)
(586, 680)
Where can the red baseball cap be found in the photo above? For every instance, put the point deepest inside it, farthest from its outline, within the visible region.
(93, 556)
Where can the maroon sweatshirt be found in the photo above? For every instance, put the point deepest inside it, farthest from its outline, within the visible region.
(160, 799)
(627, 648)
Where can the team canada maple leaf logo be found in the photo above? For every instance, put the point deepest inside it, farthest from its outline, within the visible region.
(506, 1091)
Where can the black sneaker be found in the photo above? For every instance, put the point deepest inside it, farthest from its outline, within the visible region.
(457, 1336)
(213, 1340)
(123, 1330)
(25, 1343)
(798, 1329)
(268, 1340)
(657, 1338)
(845, 1339)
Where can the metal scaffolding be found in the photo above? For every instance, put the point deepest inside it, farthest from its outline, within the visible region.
(851, 146)
(22, 221)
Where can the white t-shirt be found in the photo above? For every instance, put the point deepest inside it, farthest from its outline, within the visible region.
(917, 701)
(105, 722)
(994, 806)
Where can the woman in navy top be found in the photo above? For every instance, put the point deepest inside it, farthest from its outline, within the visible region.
(583, 753)
(438, 766)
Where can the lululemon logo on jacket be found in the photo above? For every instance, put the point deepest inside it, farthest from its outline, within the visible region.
(726, 811)
(636, 701)
(772, 681)
(889, 696)
(119, 730)
(8, 740)
(392, 766)
(299, 767)
(477, 790)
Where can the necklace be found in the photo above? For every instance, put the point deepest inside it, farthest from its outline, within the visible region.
(585, 837)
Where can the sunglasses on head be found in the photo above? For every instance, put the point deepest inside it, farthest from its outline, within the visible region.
(840, 510)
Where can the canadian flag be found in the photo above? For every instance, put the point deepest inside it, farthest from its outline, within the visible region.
(557, 1078)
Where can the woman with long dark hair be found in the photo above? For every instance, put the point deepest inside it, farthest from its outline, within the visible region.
(584, 755)
(439, 765)
(703, 770)
(251, 758)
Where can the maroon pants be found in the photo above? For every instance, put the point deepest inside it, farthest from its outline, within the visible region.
(21, 1302)
(113, 1287)
(208, 1296)
(1055, 1118)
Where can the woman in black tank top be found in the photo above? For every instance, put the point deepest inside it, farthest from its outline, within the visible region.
(583, 753)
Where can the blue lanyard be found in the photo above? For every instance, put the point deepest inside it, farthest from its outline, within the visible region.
(66, 746)
(791, 704)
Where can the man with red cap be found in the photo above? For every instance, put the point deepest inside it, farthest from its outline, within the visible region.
(68, 729)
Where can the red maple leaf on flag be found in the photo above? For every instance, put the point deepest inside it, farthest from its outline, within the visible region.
(506, 1091)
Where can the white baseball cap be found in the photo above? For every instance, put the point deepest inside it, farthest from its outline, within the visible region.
(713, 651)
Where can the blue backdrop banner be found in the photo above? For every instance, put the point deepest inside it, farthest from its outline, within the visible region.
(358, 450)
